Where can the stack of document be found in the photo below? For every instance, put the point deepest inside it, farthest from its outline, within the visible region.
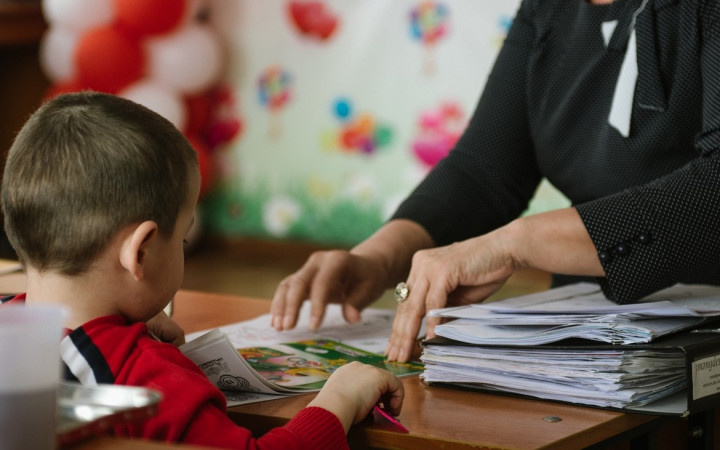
(579, 311)
(522, 346)
(603, 378)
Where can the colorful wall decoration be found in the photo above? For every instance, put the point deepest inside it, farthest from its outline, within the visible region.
(312, 119)
(346, 105)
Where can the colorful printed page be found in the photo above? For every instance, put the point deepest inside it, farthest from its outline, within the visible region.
(252, 374)
(308, 364)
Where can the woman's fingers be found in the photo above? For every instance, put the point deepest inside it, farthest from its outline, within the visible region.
(289, 296)
(333, 276)
(409, 316)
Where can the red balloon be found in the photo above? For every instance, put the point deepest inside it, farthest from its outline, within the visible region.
(350, 138)
(199, 109)
(223, 131)
(106, 59)
(205, 162)
(150, 16)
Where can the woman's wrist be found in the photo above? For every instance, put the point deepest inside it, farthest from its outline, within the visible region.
(375, 254)
(392, 248)
(513, 239)
(553, 241)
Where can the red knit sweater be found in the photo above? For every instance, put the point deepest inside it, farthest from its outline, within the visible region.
(193, 410)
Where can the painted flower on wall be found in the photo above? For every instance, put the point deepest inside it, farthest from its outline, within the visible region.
(280, 214)
(361, 188)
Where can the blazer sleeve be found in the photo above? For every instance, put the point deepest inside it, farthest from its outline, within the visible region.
(490, 176)
(664, 232)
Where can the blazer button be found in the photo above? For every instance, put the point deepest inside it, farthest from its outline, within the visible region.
(644, 238)
(621, 250)
(604, 257)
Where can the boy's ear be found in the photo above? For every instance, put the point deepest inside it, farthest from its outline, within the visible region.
(133, 252)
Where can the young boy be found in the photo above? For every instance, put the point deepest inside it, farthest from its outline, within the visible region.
(98, 194)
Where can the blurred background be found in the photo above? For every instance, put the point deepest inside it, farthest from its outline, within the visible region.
(312, 119)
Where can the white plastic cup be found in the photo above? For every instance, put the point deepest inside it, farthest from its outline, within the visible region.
(30, 372)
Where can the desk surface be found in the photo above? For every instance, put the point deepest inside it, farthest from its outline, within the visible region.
(434, 415)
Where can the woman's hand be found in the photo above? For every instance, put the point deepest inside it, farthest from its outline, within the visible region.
(470, 271)
(457, 274)
(354, 278)
(334, 276)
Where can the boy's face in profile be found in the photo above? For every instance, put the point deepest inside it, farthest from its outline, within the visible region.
(169, 264)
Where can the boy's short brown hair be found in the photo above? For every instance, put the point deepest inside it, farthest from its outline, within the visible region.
(83, 167)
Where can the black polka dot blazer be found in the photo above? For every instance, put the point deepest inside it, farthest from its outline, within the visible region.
(649, 200)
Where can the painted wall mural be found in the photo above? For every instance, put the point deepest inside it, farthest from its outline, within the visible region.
(346, 105)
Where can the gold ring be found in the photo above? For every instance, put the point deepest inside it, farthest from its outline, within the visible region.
(401, 292)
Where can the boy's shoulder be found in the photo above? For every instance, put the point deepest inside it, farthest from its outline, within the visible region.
(12, 299)
(126, 353)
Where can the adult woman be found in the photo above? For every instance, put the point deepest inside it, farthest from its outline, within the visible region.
(618, 105)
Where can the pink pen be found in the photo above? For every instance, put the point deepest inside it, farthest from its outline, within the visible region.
(392, 419)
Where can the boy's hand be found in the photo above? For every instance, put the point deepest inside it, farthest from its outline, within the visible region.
(167, 330)
(353, 390)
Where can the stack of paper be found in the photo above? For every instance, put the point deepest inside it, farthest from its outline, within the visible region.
(604, 378)
(514, 345)
(579, 311)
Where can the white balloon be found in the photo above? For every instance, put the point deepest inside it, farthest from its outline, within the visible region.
(57, 48)
(189, 59)
(159, 98)
(79, 15)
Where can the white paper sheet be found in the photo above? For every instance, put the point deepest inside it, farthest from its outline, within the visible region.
(371, 333)
(640, 331)
(587, 299)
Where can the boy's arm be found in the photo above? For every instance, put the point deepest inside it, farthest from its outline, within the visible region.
(312, 427)
(193, 410)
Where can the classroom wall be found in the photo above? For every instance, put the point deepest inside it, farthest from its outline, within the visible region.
(345, 105)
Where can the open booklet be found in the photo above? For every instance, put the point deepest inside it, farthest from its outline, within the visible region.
(250, 361)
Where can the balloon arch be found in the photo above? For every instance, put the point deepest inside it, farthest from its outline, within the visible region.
(163, 54)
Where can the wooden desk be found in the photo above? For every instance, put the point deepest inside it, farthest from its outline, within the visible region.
(442, 417)
(120, 443)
